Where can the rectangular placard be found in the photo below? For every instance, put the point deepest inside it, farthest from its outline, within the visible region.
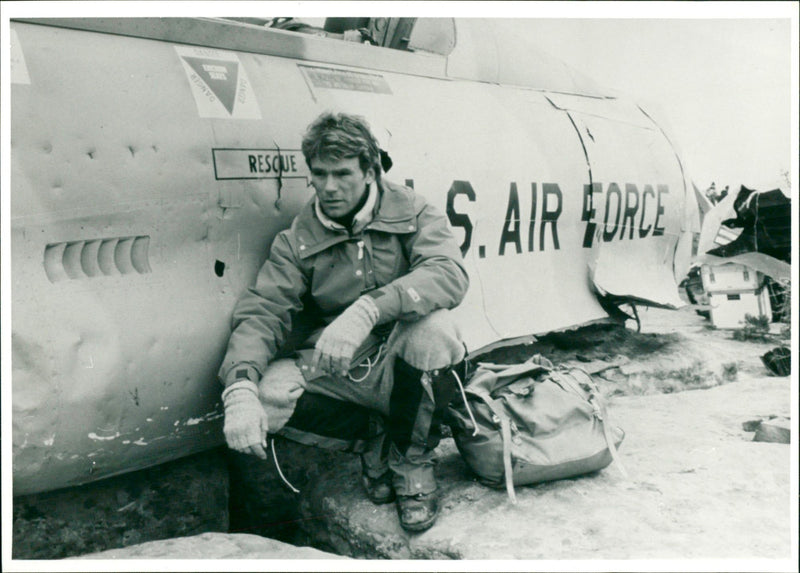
(258, 163)
(331, 78)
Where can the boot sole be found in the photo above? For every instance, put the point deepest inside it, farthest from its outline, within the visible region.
(417, 527)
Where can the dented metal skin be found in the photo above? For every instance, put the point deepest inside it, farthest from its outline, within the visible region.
(139, 214)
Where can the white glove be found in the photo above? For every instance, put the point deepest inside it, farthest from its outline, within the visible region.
(337, 344)
(245, 419)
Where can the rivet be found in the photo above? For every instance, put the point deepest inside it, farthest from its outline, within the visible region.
(359, 273)
(302, 247)
(411, 227)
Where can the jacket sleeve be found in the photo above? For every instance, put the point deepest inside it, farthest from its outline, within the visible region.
(262, 317)
(436, 277)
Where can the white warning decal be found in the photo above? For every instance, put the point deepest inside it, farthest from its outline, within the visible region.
(259, 164)
(219, 83)
(19, 71)
(330, 78)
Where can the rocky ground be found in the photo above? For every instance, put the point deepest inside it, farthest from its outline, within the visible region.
(691, 401)
(214, 546)
(699, 487)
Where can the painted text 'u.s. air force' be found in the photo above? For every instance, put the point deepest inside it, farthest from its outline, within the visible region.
(611, 213)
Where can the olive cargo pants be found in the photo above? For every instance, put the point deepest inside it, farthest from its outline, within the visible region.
(389, 407)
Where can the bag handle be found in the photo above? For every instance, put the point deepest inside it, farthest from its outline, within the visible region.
(492, 377)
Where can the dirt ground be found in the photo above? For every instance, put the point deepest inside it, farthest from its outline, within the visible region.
(699, 492)
(688, 397)
(670, 351)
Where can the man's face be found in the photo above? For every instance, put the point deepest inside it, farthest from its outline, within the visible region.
(340, 184)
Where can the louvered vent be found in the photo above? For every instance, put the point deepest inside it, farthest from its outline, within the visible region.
(97, 258)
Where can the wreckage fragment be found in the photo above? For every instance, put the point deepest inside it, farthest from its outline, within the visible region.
(778, 361)
(750, 274)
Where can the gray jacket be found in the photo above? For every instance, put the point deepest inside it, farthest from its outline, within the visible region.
(406, 259)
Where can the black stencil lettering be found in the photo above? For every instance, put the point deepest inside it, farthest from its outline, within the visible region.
(532, 225)
(658, 231)
(631, 206)
(588, 212)
(613, 189)
(460, 219)
(511, 227)
(648, 190)
(550, 217)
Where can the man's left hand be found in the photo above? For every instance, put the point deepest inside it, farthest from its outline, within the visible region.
(337, 344)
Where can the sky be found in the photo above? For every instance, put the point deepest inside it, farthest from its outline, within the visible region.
(724, 85)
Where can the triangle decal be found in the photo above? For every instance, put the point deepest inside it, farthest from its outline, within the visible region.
(221, 77)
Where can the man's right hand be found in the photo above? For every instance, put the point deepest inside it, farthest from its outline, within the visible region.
(340, 339)
(245, 419)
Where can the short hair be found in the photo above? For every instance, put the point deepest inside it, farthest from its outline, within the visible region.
(342, 136)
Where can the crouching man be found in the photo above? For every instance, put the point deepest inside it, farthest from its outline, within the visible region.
(345, 340)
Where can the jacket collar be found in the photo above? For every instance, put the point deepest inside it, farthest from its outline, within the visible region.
(360, 220)
(394, 213)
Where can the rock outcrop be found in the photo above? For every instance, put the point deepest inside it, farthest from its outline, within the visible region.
(213, 546)
(699, 488)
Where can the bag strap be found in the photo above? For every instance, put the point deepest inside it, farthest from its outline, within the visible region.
(494, 377)
(505, 428)
(505, 434)
(602, 416)
(476, 430)
(601, 413)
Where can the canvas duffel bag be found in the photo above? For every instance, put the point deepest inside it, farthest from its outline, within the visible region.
(531, 422)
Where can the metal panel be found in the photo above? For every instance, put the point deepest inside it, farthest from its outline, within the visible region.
(243, 37)
(113, 145)
(115, 372)
(636, 204)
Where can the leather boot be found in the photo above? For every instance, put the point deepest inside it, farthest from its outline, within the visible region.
(418, 512)
(379, 490)
(417, 404)
(375, 474)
